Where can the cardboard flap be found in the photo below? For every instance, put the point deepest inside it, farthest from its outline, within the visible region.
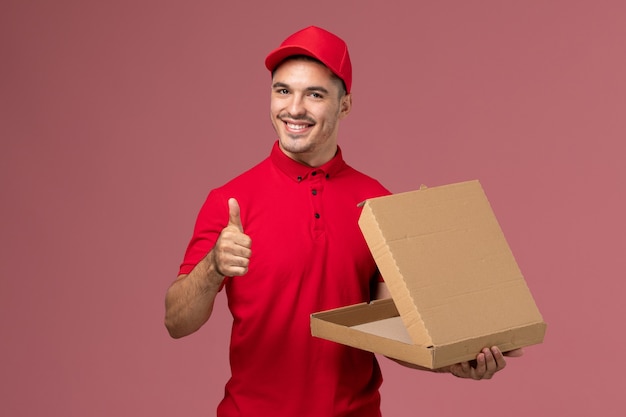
(447, 264)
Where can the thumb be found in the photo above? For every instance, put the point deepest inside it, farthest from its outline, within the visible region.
(515, 353)
(234, 217)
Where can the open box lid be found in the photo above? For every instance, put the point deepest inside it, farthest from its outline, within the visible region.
(447, 264)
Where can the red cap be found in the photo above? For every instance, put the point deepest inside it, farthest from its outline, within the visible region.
(317, 43)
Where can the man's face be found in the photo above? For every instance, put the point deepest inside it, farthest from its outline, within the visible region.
(307, 102)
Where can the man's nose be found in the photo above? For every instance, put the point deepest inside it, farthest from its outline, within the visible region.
(296, 106)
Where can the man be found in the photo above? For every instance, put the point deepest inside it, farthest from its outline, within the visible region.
(283, 240)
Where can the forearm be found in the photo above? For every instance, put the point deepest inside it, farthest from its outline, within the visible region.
(189, 300)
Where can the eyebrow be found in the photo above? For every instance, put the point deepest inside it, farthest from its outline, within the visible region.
(311, 88)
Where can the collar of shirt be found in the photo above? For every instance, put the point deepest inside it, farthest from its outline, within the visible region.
(298, 172)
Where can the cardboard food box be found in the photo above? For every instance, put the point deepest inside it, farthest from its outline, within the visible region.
(455, 285)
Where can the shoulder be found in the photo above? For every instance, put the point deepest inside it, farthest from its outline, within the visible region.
(246, 181)
(354, 178)
(236, 187)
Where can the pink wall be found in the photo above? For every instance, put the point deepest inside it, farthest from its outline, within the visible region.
(117, 117)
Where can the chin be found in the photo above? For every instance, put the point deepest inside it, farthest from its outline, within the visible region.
(294, 144)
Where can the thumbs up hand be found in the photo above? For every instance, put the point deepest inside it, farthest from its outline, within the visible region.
(231, 254)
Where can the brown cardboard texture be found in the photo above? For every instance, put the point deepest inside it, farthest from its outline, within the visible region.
(455, 285)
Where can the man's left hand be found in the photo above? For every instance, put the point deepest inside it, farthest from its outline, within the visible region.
(487, 363)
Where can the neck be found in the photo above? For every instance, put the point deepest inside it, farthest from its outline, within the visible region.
(311, 158)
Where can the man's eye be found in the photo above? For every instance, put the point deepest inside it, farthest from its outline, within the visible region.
(283, 91)
(316, 95)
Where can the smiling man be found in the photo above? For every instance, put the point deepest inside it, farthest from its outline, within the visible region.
(282, 240)
(307, 103)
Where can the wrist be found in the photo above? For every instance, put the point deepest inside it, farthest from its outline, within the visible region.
(212, 275)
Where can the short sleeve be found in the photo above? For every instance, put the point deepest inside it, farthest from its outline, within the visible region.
(212, 218)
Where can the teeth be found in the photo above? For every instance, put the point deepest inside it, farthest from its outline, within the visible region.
(296, 127)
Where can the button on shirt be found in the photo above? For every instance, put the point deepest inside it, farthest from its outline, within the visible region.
(308, 255)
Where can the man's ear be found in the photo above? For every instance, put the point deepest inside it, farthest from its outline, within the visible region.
(345, 105)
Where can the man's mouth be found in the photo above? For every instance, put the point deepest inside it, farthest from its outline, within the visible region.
(296, 127)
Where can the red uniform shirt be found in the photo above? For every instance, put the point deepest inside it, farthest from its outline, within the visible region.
(308, 255)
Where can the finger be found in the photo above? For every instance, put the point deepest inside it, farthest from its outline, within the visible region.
(232, 271)
(459, 370)
(237, 269)
(491, 365)
(498, 358)
(463, 370)
(481, 366)
(515, 353)
(228, 263)
(234, 214)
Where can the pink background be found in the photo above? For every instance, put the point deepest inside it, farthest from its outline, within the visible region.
(117, 117)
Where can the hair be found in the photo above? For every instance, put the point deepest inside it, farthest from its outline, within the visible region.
(342, 85)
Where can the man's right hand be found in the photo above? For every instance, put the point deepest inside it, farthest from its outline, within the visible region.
(231, 254)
